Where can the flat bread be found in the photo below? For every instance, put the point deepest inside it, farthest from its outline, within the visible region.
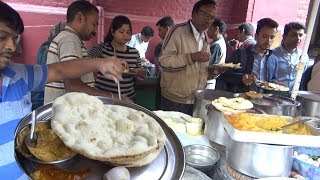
(223, 108)
(138, 163)
(104, 132)
(238, 103)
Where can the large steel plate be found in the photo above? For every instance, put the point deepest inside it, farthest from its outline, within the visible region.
(170, 164)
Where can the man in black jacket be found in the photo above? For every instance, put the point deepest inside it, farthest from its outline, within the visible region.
(255, 63)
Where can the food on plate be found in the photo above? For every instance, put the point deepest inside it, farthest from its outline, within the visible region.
(230, 65)
(125, 68)
(272, 86)
(137, 163)
(176, 126)
(51, 172)
(108, 133)
(117, 173)
(180, 122)
(232, 105)
(264, 123)
(254, 95)
(49, 146)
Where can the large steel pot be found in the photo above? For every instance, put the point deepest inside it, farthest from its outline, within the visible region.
(203, 98)
(277, 105)
(310, 103)
(259, 160)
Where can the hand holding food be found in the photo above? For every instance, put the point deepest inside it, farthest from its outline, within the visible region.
(248, 79)
(273, 86)
(200, 56)
(112, 68)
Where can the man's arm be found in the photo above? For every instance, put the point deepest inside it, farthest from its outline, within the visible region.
(110, 67)
(68, 50)
(215, 50)
(234, 76)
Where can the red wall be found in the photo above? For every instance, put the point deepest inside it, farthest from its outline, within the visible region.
(148, 12)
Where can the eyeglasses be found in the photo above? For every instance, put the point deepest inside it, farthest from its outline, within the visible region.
(207, 15)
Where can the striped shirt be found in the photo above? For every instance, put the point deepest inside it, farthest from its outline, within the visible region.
(131, 56)
(65, 46)
(18, 81)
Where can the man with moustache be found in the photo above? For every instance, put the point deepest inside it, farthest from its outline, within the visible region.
(18, 80)
(82, 22)
(255, 61)
(288, 54)
(184, 59)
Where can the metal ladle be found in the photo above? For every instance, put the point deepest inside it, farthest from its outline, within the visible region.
(296, 122)
(31, 138)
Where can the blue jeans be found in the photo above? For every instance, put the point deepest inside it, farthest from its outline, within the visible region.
(167, 105)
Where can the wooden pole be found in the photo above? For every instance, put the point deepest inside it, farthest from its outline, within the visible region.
(303, 57)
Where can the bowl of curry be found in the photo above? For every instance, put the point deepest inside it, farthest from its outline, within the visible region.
(49, 149)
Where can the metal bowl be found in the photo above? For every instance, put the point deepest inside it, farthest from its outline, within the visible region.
(313, 124)
(201, 157)
(33, 158)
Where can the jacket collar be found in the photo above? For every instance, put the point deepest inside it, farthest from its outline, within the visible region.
(194, 32)
(7, 72)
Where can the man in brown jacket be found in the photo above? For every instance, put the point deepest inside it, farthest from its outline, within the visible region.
(184, 59)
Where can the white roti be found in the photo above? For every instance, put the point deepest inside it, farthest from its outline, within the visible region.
(104, 132)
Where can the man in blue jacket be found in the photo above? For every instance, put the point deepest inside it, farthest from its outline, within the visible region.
(255, 62)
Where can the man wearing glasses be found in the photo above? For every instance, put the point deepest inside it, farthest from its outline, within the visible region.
(184, 59)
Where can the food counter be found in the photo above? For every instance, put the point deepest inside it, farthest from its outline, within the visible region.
(184, 130)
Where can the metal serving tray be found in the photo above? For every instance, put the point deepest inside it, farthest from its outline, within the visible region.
(271, 138)
(170, 164)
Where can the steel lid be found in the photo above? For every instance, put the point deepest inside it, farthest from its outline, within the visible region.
(314, 96)
(270, 100)
(210, 94)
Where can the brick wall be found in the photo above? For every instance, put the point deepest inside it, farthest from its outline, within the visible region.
(148, 12)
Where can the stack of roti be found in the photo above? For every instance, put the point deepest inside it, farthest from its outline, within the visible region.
(232, 105)
(110, 133)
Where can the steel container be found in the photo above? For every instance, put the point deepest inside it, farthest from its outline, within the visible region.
(276, 105)
(310, 103)
(214, 129)
(259, 160)
(205, 97)
(151, 70)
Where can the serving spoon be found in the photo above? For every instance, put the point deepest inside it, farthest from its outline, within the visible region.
(296, 122)
(31, 138)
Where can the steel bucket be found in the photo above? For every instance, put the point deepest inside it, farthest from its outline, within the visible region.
(259, 160)
(310, 103)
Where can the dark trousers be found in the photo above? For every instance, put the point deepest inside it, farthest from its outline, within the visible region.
(167, 105)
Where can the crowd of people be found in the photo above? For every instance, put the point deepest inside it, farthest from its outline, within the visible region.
(183, 56)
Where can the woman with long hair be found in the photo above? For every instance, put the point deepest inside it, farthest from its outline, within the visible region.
(119, 34)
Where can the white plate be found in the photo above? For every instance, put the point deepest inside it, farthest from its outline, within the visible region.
(184, 138)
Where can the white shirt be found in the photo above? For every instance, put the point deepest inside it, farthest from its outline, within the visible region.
(137, 43)
(200, 37)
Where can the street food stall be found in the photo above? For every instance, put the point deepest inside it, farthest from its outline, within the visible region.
(230, 133)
